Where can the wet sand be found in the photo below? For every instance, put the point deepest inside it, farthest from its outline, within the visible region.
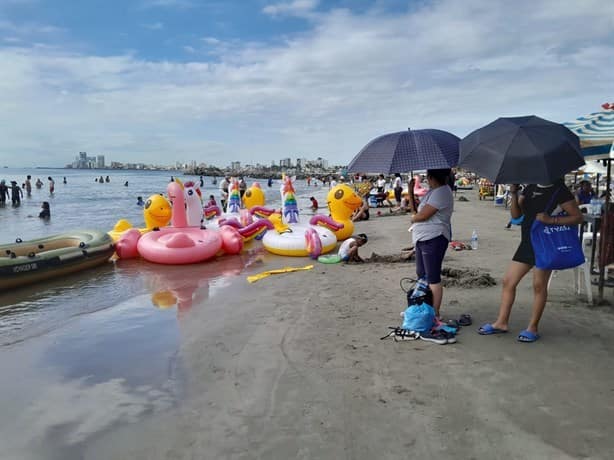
(292, 367)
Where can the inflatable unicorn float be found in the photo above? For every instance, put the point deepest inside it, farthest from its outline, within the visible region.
(184, 241)
(238, 217)
(290, 236)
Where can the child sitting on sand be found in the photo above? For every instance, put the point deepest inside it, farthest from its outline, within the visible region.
(348, 251)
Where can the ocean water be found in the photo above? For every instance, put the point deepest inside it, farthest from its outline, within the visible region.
(82, 203)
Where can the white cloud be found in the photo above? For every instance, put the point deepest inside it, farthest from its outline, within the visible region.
(449, 65)
(293, 8)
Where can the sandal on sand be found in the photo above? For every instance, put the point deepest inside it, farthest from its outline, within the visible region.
(465, 320)
(527, 336)
(489, 329)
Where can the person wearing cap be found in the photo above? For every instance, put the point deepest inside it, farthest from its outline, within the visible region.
(348, 251)
(4, 192)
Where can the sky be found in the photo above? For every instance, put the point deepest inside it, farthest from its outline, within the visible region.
(212, 81)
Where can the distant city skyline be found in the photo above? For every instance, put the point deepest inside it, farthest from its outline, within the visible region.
(154, 82)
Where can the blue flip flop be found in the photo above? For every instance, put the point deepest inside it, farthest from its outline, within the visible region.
(527, 336)
(489, 329)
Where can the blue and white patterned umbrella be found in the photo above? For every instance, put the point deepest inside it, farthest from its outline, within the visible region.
(596, 133)
(407, 151)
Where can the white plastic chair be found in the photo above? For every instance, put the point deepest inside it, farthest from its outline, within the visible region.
(577, 278)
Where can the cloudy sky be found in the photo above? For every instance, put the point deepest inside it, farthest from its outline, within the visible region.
(256, 80)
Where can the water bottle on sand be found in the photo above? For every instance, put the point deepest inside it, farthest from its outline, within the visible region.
(474, 239)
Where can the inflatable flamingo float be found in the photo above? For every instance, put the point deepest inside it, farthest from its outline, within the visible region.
(181, 243)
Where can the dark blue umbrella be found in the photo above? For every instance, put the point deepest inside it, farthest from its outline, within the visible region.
(407, 151)
(521, 150)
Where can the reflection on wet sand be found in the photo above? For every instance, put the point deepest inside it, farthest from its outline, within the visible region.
(185, 285)
(116, 365)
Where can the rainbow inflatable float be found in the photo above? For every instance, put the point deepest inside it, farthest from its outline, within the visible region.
(290, 237)
(237, 217)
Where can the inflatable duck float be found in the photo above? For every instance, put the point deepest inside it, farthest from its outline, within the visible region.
(236, 216)
(156, 213)
(290, 237)
(181, 243)
(342, 202)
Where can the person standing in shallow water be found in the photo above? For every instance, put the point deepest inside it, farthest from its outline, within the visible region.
(28, 185)
(51, 184)
(4, 192)
(16, 194)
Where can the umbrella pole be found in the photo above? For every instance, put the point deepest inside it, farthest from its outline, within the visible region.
(604, 235)
(597, 186)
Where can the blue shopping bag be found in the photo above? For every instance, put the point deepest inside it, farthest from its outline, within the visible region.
(556, 247)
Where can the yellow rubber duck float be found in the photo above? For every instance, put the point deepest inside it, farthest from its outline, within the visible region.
(253, 196)
(156, 213)
(342, 202)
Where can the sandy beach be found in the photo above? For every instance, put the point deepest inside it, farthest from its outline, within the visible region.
(293, 367)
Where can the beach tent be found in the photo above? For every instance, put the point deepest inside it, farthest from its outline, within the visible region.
(596, 133)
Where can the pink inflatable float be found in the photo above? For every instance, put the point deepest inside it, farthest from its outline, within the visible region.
(181, 243)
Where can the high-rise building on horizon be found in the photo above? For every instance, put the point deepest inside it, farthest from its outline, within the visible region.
(100, 161)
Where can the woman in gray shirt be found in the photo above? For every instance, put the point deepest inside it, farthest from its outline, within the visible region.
(431, 230)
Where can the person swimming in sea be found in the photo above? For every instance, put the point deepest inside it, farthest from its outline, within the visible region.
(45, 211)
(139, 201)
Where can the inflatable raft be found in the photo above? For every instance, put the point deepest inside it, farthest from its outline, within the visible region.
(26, 262)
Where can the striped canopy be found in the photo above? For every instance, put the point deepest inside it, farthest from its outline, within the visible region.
(596, 133)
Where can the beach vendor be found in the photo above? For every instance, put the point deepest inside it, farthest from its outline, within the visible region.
(534, 200)
(431, 230)
(348, 251)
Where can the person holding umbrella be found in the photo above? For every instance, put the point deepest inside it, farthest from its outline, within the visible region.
(534, 200)
(534, 151)
(431, 230)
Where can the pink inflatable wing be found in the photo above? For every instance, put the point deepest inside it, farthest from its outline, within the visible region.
(313, 243)
(126, 247)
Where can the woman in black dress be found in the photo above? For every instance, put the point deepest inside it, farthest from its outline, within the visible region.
(536, 202)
